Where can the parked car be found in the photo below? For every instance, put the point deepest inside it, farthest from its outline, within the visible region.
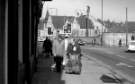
(131, 46)
(81, 42)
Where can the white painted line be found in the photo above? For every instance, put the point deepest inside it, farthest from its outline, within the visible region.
(121, 64)
(121, 56)
(130, 66)
(124, 64)
(133, 60)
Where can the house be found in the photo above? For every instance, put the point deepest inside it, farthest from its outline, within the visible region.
(62, 24)
(76, 26)
(53, 23)
(98, 27)
(83, 24)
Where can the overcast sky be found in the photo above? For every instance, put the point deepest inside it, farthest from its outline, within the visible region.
(115, 10)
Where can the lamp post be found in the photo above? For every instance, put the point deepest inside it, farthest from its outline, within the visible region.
(126, 26)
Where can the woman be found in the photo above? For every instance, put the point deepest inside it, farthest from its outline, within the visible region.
(74, 55)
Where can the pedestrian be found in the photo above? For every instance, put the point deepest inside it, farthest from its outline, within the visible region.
(94, 42)
(47, 47)
(74, 55)
(58, 52)
(74, 47)
(120, 43)
(67, 42)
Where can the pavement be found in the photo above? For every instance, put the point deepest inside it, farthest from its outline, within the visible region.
(92, 73)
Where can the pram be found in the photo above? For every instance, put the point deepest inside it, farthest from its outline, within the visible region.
(74, 64)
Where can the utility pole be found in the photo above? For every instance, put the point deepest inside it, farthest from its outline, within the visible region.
(126, 26)
(102, 22)
(87, 18)
(86, 28)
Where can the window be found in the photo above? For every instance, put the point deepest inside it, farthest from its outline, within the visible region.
(49, 31)
(67, 29)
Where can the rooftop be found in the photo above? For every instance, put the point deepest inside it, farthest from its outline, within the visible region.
(59, 21)
(82, 21)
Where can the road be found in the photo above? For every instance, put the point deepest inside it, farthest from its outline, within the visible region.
(117, 58)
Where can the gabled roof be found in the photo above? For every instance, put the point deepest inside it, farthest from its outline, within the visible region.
(59, 21)
(46, 17)
(70, 18)
(82, 22)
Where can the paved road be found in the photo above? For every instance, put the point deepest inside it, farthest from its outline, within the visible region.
(117, 58)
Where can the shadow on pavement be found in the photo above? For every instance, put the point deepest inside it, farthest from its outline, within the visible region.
(44, 75)
(127, 51)
(108, 79)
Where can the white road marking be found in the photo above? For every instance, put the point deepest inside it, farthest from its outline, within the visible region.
(122, 56)
(124, 64)
(133, 60)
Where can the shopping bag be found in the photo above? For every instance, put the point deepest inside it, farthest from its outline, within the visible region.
(65, 60)
(53, 67)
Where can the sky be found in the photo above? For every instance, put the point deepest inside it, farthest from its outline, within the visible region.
(114, 10)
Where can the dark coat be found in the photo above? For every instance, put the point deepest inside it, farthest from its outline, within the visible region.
(47, 45)
(70, 49)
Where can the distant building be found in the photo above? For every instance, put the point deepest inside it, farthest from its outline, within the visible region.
(74, 25)
(91, 25)
(123, 32)
(53, 23)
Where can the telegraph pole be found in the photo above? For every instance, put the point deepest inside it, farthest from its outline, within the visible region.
(126, 26)
(87, 18)
(102, 22)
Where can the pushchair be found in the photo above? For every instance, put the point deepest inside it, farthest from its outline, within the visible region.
(74, 64)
